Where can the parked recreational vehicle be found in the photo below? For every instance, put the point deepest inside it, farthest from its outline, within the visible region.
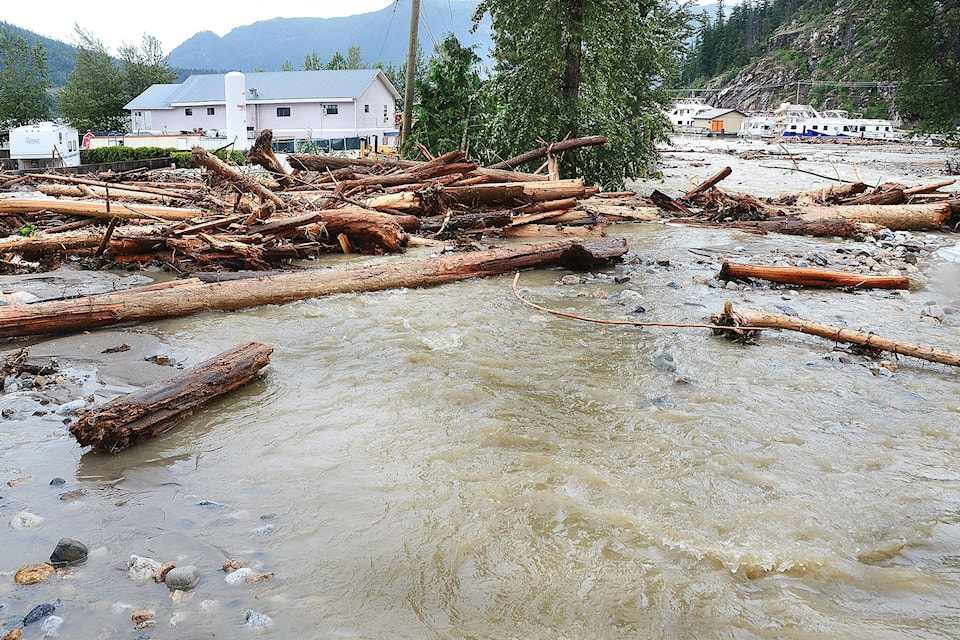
(45, 144)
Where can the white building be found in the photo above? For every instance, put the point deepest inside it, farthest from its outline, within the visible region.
(297, 105)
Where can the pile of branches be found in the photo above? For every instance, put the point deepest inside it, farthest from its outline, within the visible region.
(845, 210)
(225, 218)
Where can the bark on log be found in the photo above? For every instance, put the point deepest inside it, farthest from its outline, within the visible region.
(557, 147)
(834, 193)
(905, 217)
(707, 184)
(927, 188)
(794, 226)
(192, 296)
(812, 277)
(889, 196)
(244, 183)
(47, 243)
(97, 209)
(115, 186)
(765, 319)
(145, 414)
(484, 220)
(81, 191)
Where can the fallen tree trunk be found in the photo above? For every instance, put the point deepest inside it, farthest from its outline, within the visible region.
(834, 193)
(764, 319)
(812, 277)
(904, 217)
(46, 243)
(137, 188)
(244, 183)
(557, 147)
(707, 184)
(192, 296)
(139, 416)
(261, 153)
(97, 209)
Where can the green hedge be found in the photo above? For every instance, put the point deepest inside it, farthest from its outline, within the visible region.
(183, 159)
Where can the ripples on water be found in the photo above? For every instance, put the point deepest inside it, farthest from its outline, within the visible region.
(449, 463)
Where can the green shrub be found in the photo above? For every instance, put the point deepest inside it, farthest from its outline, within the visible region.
(184, 159)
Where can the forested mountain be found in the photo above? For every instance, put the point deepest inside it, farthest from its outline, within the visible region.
(880, 57)
(381, 35)
(60, 55)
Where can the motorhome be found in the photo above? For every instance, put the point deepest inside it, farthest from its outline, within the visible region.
(44, 145)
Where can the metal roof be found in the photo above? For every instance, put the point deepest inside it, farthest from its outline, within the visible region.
(716, 113)
(155, 95)
(269, 86)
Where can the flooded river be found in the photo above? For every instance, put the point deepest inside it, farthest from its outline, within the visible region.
(450, 463)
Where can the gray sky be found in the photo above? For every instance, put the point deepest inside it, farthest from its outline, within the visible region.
(172, 21)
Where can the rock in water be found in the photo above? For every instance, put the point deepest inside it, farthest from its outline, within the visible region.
(33, 573)
(182, 578)
(25, 520)
(50, 625)
(68, 552)
(38, 613)
(255, 619)
(142, 568)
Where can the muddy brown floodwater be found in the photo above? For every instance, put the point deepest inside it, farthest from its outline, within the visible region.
(449, 463)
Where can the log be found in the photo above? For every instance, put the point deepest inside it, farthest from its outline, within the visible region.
(888, 196)
(142, 415)
(481, 220)
(557, 147)
(244, 183)
(192, 296)
(99, 185)
(812, 277)
(904, 217)
(707, 184)
(927, 188)
(261, 153)
(46, 243)
(794, 226)
(834, 193)
(97, 209)
(765, 319)
(84, 191)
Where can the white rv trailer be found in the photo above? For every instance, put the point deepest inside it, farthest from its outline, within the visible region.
(44, 144)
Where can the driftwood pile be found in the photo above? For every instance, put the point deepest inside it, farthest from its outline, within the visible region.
(233, 220)
(843, 210)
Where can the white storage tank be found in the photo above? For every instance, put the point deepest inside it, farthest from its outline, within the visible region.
(235, 90)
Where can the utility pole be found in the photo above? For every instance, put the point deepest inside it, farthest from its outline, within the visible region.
(411, 71)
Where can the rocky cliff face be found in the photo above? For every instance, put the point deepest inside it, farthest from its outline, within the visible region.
(829, 61)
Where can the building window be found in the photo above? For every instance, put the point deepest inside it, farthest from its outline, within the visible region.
(211, 111)
(283, 112)
(366, 108)
(188, 112)
(332, 109)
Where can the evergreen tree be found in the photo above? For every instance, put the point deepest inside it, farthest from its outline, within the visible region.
(355, 58)
(337, 62)
(568, 68)
(312, 62)
(24, 81)
(451, 101)
(923, 47)
(144, 66)
(95, 94)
